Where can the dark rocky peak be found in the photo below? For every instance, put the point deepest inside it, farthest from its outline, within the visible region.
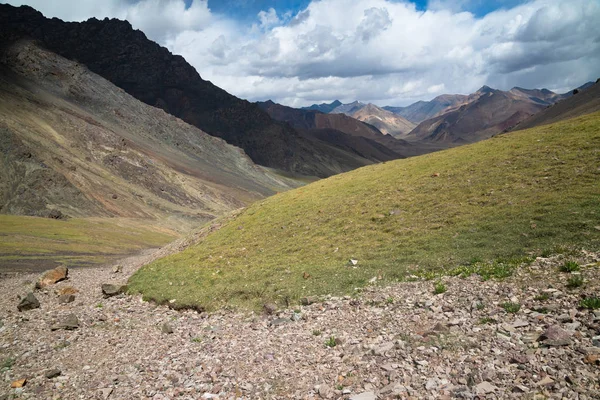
(114, 50)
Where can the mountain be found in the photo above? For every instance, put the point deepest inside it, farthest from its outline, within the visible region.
(348, 109)
(492, 111)
(484, 209)
(324, 107)
(73, 144)
(311, 122)
(386, 121)
(585, 102)
(423, 110)
(150, 73)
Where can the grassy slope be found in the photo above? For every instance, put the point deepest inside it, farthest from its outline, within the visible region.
(38, 243)
(516, 194)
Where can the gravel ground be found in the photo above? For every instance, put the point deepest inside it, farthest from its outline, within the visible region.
(401, 341)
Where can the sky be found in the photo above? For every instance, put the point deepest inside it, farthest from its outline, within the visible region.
(387, 52)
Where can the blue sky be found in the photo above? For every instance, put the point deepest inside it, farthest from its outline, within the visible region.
(246, 10)
(388, 52)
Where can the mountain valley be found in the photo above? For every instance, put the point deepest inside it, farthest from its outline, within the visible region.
(198, 245)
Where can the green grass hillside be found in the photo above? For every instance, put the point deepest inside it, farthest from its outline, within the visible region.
(519, 194)
(33, 243)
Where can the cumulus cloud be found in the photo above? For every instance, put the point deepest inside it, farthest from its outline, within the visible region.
(382, 51)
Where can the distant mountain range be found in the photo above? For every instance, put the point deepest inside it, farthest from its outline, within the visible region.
(454, 119)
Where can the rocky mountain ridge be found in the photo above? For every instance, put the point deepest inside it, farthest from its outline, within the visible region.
(150, 73)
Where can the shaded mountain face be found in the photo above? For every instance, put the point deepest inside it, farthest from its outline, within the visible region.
(150, 73)
(585, 102)
(491, 112)
(72, 143)
(387, 122)
(324, 107)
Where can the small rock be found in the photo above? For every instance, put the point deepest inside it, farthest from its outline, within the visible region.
(105, 393)
(117, 269)
(555, 336)
(484, 388)
(520, 389)
(52, 373)
(325, 392)
(18, 384)
(52, 276)
(432, 384)
(67, 290)
(520, 324)
(547, 381)
(596, 341)
(279, 321)
(592, 359)
(364, 396)
(573, 326)
(270, 308)
(307, 301)
(109, 289)
(29, 302)
(69, 323)
(166, 328)
(66, 298)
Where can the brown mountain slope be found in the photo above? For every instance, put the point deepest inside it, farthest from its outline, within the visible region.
(585, 102)
(387, 122)
(72, 143)
(492, 112)
(124, 56)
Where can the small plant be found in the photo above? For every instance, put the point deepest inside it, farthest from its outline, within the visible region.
(7, 364)
(511, 307)
(541, 310)
(591, 303)
(316, 332)
(542, 296)
(569, 266)
(197, 339)
(330, 342)
(390, 300)
(486, 320)
(61, 345)
(340, 387)
(480, 306)
(439, 288)
(575, 281)
(99, 305)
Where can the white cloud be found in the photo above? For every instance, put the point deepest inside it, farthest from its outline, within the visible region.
(380, 51)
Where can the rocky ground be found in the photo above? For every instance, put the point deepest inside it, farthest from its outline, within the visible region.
(402, 341)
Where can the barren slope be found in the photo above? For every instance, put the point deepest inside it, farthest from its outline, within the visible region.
(387, 122)
(585, 102)
(75, 143)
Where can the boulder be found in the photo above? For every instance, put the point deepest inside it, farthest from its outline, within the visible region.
(109, 289)
(29, 302)
(66, 298)
(166, 328)
(69, 323)
(52, 373)
(52, 276)
(555, 336)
